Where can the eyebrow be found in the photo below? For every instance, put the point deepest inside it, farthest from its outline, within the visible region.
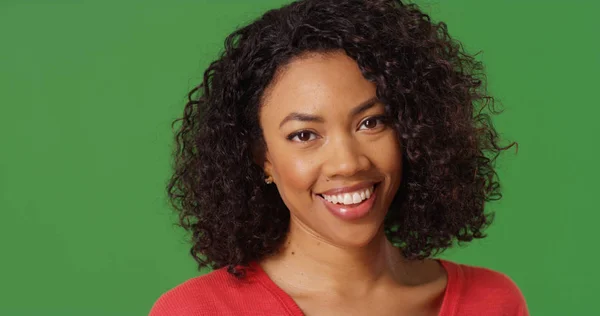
(295, 116)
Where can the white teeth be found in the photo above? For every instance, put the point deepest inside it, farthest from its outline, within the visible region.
(347, 198)
(356, 198)
(350, 198)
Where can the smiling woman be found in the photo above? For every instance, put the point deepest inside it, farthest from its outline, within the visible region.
(332, 149)
(335, 158)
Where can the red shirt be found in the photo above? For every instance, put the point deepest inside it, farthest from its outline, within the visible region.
(471, 291)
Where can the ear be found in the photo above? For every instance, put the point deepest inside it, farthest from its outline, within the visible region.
(267, 165)
(261, 157)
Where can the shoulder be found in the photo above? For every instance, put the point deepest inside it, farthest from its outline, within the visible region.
(477, 288)
(481, 278)
(209, 294)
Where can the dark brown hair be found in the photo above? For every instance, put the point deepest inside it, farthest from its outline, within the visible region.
(433, 90)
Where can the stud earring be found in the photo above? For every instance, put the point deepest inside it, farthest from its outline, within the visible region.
(269, 180)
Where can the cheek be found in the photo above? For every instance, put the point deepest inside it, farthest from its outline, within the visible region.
(389, 156)
(295, 173)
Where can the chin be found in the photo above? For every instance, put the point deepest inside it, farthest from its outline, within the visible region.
(356, 236)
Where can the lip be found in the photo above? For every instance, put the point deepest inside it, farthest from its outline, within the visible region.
(352, 188)
(353, 212)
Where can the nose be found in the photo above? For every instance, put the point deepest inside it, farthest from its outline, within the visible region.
(345, 158)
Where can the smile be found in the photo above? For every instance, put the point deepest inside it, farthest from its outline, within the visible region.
(350, 198)
(350, 203)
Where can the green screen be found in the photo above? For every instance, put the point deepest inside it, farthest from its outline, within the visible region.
(88, 90)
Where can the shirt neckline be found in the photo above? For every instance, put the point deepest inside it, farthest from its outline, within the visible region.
(284, 299)
(448, 302)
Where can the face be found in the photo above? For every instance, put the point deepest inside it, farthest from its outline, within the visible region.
(330, 149)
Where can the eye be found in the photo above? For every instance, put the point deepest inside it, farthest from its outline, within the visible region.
(372, 123)
(302, 136)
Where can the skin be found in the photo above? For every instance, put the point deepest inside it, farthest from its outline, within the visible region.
(331, 266)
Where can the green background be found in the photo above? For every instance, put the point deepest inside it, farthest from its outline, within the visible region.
(88, 90)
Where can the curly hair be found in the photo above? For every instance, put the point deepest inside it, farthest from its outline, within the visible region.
(434, 91)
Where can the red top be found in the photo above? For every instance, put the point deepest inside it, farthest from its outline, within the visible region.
(471, 291)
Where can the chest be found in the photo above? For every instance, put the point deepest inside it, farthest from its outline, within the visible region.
(387, 305)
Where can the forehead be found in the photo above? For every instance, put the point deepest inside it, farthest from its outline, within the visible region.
(317, 80)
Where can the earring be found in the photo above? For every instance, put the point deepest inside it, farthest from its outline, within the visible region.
(269, 180)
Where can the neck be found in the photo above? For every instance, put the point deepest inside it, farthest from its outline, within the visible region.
(308, 263)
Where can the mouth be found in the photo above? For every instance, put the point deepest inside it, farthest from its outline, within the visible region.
(351, 198)
(350, 205)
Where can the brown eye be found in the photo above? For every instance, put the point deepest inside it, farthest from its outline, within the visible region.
(302, 136)
(371, 123)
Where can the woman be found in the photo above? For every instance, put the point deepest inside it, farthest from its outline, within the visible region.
(331, 150)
